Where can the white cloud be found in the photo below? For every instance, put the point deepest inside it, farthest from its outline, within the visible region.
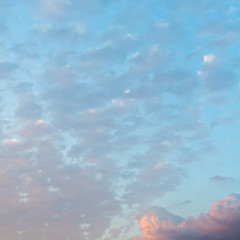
(208, 58)
(41, 122)
(92, 111)
(53, 189)
(10, 141)
(119, 103)
(163, 24)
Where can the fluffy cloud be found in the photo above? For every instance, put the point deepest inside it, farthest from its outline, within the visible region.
(208, 58)
(220, 223)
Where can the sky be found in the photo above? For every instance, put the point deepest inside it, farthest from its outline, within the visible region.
(119, 119)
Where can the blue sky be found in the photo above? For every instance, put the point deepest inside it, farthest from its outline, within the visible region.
(119, 119)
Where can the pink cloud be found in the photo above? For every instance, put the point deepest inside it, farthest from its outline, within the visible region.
(221, 222)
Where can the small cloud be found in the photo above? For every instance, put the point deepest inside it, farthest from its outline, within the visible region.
(20, 232)
(131, 36)
(41, 122)
(221, 179)
(81, 28)
(181, 204)
(200, 73)
(163, 24)
(232, 9)
(119, 103)
(135, 55)
(91, 111)
(10, 141)
(166, 144)
(53, 189)
(161, 165)
(23, 197)
(208, 58)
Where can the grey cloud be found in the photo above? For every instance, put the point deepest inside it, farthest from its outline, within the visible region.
(63, 195)
(230, 39)
(216, 76)
(221, 178)
(181, 204)
(7, 69)
(62, 9)
(153, 181)
(61, 75)
(28, 109)
(5, 5)
(27, 50)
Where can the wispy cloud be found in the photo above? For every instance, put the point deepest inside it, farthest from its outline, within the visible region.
(221, 178)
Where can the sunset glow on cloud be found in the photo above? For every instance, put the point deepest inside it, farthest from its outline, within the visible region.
(221, 222)
(119, 119)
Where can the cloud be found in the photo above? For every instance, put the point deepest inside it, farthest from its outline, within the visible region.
(62, 200)
(208, 58)
(220, 223)
(53, 6)
(28, 108)
(60, 9)
(221, 179)
(216, 74)
(101, 111)
(181, 204)
(10, 141)
(156, 218)
(153, 181)
(6, 69)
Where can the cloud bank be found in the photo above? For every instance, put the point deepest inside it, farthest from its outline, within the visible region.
(220, 223)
